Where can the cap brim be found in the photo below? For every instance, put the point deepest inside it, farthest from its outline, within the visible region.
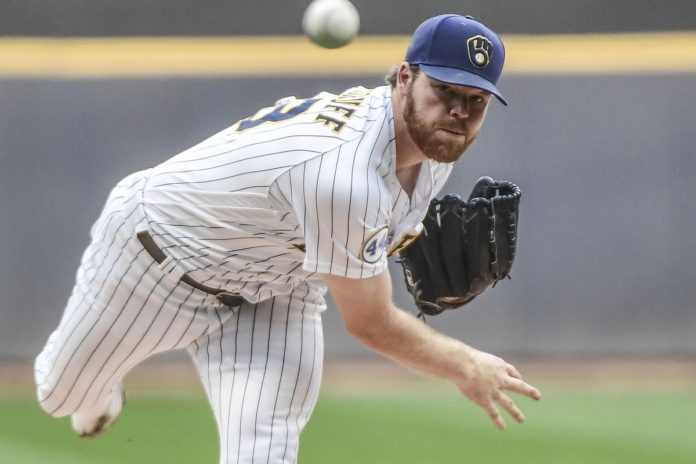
(459, 77)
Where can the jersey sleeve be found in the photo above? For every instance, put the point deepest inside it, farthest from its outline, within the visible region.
(342, 208)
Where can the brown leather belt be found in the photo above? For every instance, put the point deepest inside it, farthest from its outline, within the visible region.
(226, 298)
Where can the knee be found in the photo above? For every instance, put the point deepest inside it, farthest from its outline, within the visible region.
(50, 401)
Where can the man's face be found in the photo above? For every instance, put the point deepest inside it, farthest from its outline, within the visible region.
(443, 119)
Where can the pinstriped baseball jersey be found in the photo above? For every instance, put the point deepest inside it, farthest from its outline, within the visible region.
(303, 188)
(260, 209)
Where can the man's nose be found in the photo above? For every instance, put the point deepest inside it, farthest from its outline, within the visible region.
(460, 109)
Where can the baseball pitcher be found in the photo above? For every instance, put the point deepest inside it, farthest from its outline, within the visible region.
(227, 249)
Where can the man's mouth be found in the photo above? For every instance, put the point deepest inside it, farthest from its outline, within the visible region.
(457, 132)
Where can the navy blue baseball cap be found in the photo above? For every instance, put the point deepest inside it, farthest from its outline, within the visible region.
(458, 50)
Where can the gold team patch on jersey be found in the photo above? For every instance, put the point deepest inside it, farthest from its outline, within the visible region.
(376, 246)
(405, 241)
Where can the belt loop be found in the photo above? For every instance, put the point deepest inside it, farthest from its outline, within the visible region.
(168, 265)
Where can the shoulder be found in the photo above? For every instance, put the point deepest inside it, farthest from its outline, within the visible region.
(354, 110)
(355, 135)
(321, 122)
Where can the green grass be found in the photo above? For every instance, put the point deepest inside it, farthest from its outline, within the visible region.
(597, 426)
(169, 429)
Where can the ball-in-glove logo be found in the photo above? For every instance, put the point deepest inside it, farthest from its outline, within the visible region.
(480, 51)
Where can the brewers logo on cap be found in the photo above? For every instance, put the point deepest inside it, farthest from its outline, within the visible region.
(480, 51)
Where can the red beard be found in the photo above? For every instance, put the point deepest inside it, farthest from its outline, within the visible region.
(435, 144)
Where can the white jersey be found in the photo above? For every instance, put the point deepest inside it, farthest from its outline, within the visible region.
(307, 187)
(262, 209)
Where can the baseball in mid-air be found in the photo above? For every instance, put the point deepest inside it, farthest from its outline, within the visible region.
(331, 23)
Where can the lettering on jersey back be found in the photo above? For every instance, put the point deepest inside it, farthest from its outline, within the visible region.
(332, 123)
(337, 113)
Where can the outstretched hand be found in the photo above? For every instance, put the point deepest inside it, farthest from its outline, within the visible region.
(371, 317)
(488, 379)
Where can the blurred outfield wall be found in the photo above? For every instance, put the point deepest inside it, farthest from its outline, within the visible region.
(282, 17)
(605, 161)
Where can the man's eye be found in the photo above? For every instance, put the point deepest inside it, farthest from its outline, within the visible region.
(477, 98)
(444, 88)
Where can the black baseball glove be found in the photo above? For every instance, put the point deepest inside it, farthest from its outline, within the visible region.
(465, 246)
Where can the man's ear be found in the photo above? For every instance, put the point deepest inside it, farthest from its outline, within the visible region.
(404, 76)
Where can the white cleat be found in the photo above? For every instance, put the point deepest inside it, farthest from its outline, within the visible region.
(93, 422)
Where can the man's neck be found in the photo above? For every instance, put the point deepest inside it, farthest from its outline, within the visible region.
(408, 154)
(408, 178)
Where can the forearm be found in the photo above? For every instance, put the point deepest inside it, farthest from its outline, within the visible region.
(371, 317)
(408, 341)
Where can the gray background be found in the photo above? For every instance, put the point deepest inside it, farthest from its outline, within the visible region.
(606, 164)
(263, 17)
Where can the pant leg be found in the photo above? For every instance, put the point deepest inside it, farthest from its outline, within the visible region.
(261, 370)
(122, 310)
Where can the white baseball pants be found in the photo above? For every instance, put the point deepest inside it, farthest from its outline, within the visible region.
(260, 363)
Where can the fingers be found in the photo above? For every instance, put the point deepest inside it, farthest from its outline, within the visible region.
(495, 416)
(515, 384)
(513, 372)
(489, 387)
(523, 388)
(507, 404)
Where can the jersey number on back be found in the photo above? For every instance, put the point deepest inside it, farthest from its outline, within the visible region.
(278, 114)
